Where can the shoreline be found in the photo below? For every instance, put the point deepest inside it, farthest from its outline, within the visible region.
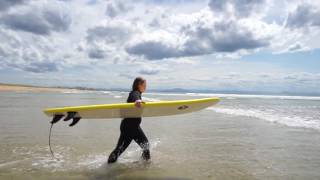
(29, 88)
(6, 87)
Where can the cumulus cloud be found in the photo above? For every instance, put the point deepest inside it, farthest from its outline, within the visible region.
(147, 68)
(149, 71)
(106, 39)
(96, 54)
(303, 16)
(240, 8)
(42, 36)
(59, 21)
(127, 76)
(6, 4)
(154, 50)
(18, 53)
(116, 8)
(222, 37)
(201, 40)
(40, 67)
(29, 22)
(296, 47)
(108, 34)
(40, 23)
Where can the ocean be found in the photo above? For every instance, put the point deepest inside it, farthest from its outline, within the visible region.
(243, 137)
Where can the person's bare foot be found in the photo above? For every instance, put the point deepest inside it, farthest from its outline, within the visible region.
(146, 155)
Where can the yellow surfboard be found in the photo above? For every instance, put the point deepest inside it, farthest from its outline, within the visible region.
(127, 110)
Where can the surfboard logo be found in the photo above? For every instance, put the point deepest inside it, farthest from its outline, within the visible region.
(183, 107)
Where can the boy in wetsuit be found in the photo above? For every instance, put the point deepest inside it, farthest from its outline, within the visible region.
(130, 127)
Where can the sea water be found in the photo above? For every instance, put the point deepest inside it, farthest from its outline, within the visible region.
(243, 137)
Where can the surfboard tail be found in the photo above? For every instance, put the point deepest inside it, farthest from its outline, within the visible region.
(70, 115)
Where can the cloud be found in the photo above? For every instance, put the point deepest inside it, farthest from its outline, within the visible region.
(39, 23)
(6, 4)
(59, 21)
(154, 50)
(127, 76)
(111, 40)
(222, 37)
(182, 61)
(304, 15)
(240, 8)
(149, 71)
(149, 68)
(116, 8)
(108, 33)
(35, 67)
(40, 67)
(96, 54)
(201, 40)
(18, 53)
(303, 77)
(107, 39)
(295, 47)
(29, 22)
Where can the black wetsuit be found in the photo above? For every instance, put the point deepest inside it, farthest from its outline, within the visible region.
(130, 130)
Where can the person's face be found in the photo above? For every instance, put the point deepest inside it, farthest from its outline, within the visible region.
(143, 86)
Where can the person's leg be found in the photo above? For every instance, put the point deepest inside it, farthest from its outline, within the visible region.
(143, 142)
(123, 143)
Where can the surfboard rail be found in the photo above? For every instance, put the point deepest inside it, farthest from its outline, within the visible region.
(61, 110)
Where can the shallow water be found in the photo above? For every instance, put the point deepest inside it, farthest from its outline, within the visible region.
(241, 138)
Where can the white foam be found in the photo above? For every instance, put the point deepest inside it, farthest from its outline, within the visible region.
(93, 161)
(130, 155)
(117, 96)
(150, 99)
(48, 162)
(271, 116)
(79, 92)
(165, 94)
(39, 157)
(70, 92)
(10, 163)
(265, 96)
(231, 96)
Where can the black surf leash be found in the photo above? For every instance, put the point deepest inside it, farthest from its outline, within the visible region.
(70, 115)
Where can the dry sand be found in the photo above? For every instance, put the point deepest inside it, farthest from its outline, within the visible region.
(26, 88)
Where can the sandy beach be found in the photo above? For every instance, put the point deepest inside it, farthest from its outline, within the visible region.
(27, 88)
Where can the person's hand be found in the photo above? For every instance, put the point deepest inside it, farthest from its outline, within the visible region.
(138, 103)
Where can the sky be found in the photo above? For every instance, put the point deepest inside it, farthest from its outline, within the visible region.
(219, 45)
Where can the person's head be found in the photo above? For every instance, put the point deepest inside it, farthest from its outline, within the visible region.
(139, 84)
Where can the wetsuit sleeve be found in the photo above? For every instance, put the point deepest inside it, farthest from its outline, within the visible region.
(133, 96)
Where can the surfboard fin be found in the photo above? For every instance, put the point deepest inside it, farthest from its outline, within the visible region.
(69, 116)
(75, 120)
(56, 118)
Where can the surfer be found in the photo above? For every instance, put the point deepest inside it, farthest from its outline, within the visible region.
(130, 127)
